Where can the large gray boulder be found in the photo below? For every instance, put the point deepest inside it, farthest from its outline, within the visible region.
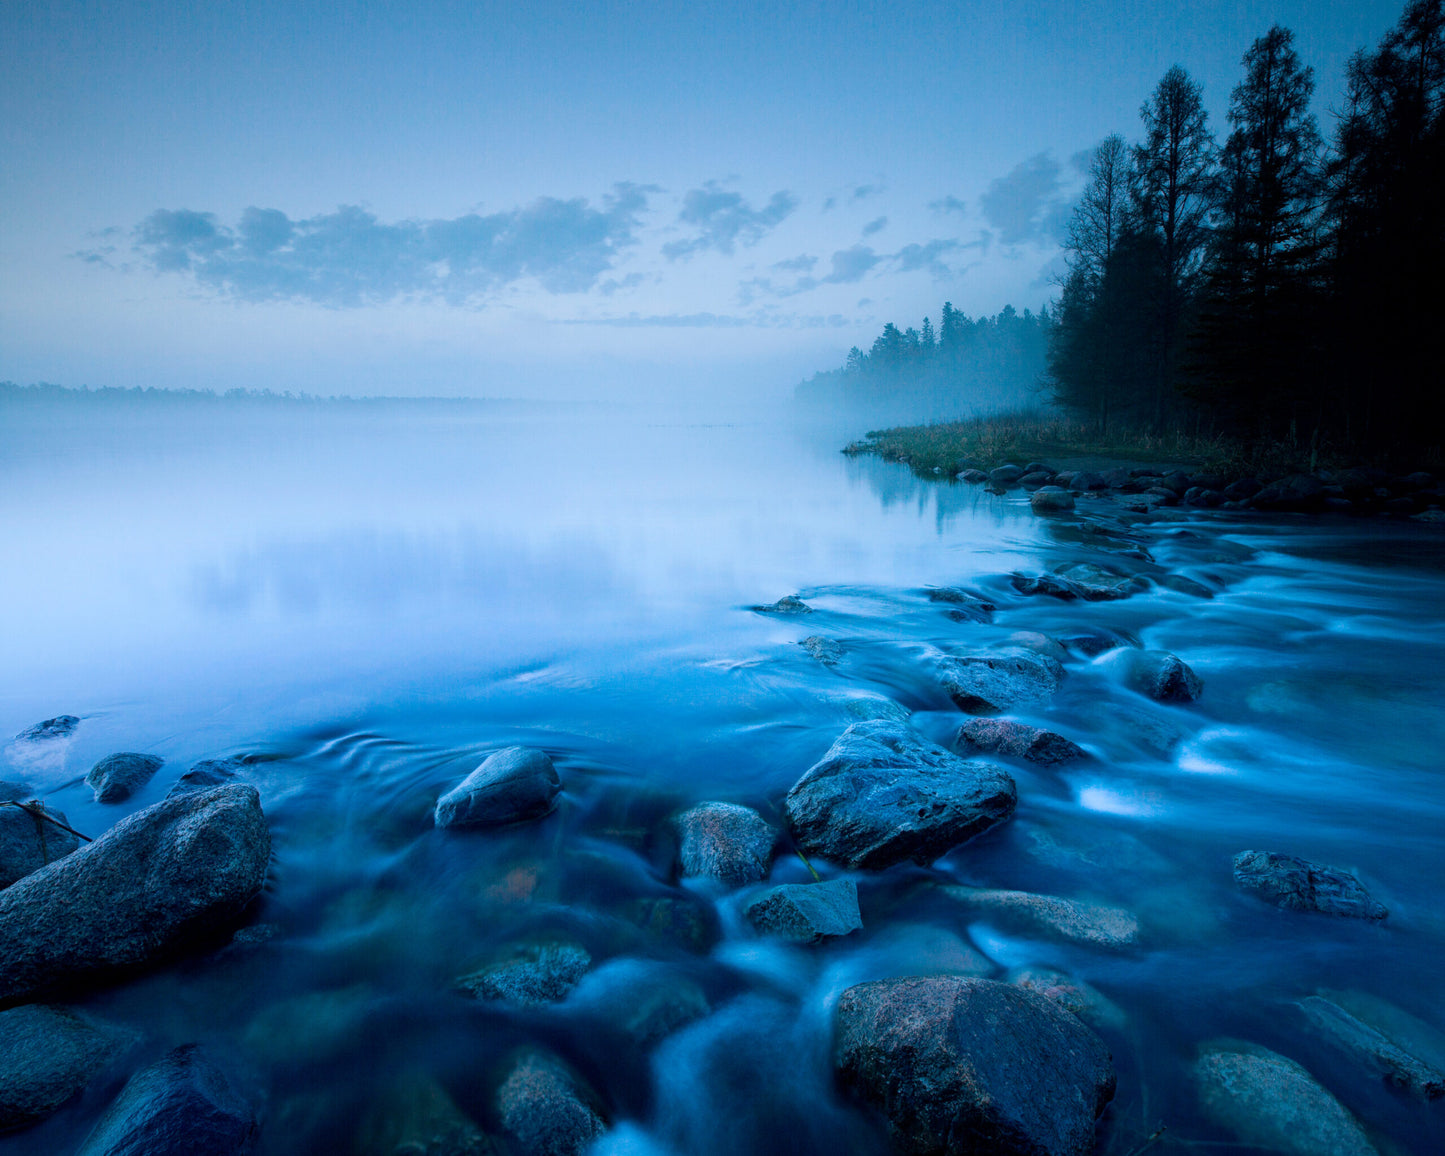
(807, 912)
(31, 837)
(997, 680)
(117, 777)
(47, 1055)
(1051, 500)
(182, 1105)
(884, 794)
(180, 871)
(1296, 884)
(725, 841)
(983, 736)
(510, 786)
(62, 726)
(545, 1109)
(1162, 676)
(963, 1066)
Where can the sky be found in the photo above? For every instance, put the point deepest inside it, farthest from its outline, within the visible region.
(601, 200)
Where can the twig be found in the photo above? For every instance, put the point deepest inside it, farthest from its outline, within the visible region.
(40, 813)
(816, 877)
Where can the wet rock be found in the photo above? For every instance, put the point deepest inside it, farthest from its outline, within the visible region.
(1045, 584)
(1039, 643)
(510, 786)
(1089, 924)
(1182, 585)
(311, 1028)
(183, 1103)
(962, 1066)
(792, 604)
(643, 999)
(1092, 643)
(1072, 994)
(160, 880)
(918, 949)
(1162, 676)
(1051, 500)
(47, 1055)
(1032, 479)
(956, 596)
(1296, 884)
(545, 1110)
(117, 777)
(1017, 740)
(416, 1117)
(31, 837)
(683, 920)
(1242, 488)
(883, 794)
(206, 774)
(1038, 468)
(974, 476)
(13, 792)
(1295, 493)
(993, 682)
(1176, 480)
(1005, 475)
(826, 650)
(1271, 1102)
(1375, 1049)
(1095, 583)
(726, 842)
(807, 912)
(62, 726)
(537, 974)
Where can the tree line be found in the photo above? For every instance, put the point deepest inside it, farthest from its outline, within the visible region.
(1275, 286)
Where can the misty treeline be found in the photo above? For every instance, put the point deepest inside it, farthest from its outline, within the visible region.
(1276, 286)
(982, 364)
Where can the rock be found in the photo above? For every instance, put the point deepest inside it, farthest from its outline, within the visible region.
(807, 912)
(964, 1066)
(206, 774)
(1096, 584)
(643, 999)
(1176, 480)
(117, 777)
(1271, 1102)
(544, 1109)
(883, 794)
(1373, 1048)
(1160, 496)
(1182, 585)
(825, 650)
(1092, 643)
(1017, 740)
(179, 1105)
(792, 604)
(1033, 479)
(974, 476)
(160, 880)
(312, 1028)
(1005, 475)
(1045, 584)
(29, 839)
(62, 726)
(683, 920)
(1162, 676)
(537, 974)
(1073, 995)
(417, 1118)
(1088, 480)
(726, 842)
(1297, 492)
(1039, 643)
(996, 681)
(12, 792)
(918, 949)
(47, 1054)
(1051, 500)
(1038, 468)
(952, 594)
(510, 786)
(1242, 489)
(1089, 924)
(1296, 884)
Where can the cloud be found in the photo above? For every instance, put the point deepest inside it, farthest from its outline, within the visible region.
(851, 264)
(878, 224)
(724, 220)
(349, 258)
(949, 204)
(926, 256)
(764, 318)
(863, 192)
(614, 284)
(802, 263)
(1025, 205)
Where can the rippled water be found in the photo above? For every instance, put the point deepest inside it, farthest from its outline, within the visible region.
(368, 601)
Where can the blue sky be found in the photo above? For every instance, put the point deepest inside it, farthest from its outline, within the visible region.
(558, 200)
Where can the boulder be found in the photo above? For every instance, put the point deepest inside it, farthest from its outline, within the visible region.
(510, 786)
(792, 604)
(62, 726)
(1005, 475)
(179, 1105)
(1242, 489)
(206, 774)
(1375, 1048)
(30, 837)
(962, 1066)
(1176, 480)
(1161, 676)
(1070, 920)
(1045, 584)
(544, 1109)
(974, 476)
(1095, 583)
(1183, 585)
(13, 792)
(643, 999)
(1051, 500)
(1033, 479)
(1295, 493)
(825, 650)
(883, 794)
(807, 912)
(1296, 884)
(1088, 480)
(1271, 1102)
(179, 872)
(1072, 994)
(1038, 468)
(1017, 740)
(997, 680)
(47, 1054)
(117, 777)
(727, 842)
(537, 974)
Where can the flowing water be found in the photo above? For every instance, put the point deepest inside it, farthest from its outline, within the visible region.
(365, 600)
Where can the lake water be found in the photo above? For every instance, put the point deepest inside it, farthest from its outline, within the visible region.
(367, 599)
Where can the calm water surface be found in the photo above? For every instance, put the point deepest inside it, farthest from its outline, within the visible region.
(369, 600)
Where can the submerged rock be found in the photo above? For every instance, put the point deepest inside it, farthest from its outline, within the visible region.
(544, 1109)
(1017, 740)
(183, 1103)
(727, 842)
(1072, 994)
(883, 794)
(30, 838)
(962, 1066)
(644, 999)
(206, 774)
(1094, 583)
(1051, 500)
(792, 604)
(1296, 884)
(510, 786)
(417, 1118)
(826, 650)
(47, 1055)
(807, 912)
(1089, 924)
(158, 881)
(117, 777)
(988, 683)
(62, 726)
(1162, 676)
(1378, 1051)
(537, 974)
(1271, 1102)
